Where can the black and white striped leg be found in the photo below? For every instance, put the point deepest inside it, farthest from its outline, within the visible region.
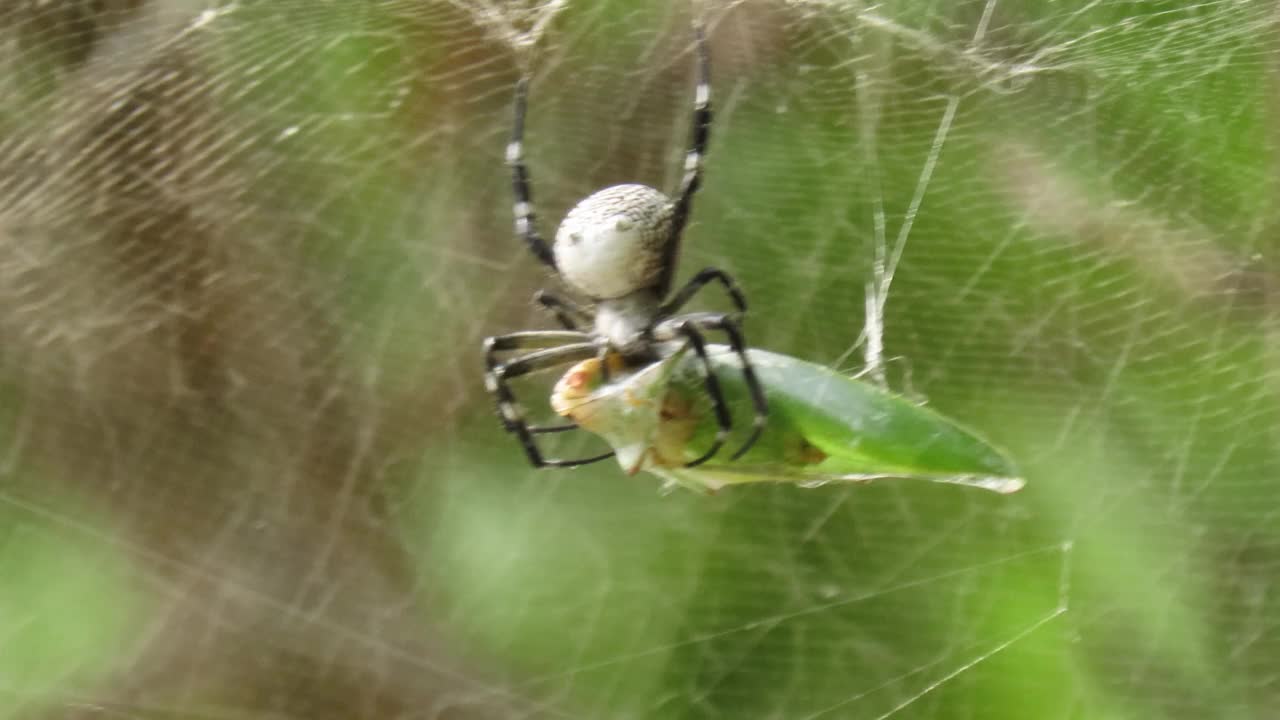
(699, 135)
(699, 281)
(509, 409)
(525, 218)
(570, 314)
(530, 340)
(690, 332)
(729, 326)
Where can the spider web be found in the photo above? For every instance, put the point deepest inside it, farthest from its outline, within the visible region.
(248, 468)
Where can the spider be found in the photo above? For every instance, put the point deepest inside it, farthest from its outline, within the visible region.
(619, 248)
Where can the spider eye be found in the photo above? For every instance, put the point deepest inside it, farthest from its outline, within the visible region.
(575, 238)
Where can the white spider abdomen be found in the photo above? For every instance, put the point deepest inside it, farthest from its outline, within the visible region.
(611, 243)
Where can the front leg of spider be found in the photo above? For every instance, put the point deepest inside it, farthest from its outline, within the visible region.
(619, 249)
(558, 348)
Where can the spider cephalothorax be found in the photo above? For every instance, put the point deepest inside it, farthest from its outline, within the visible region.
(618, 248)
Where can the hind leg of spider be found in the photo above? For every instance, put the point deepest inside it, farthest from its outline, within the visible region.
(509, 409)
(682, 296)
(729, 326)
(673, 329)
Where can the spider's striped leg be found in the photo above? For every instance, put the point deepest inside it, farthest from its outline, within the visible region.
(529, 340)
(526, 219)
(497, 375)
(568, 312)
(699, 135)
(699, 281)
(729, 326)
(689, 331)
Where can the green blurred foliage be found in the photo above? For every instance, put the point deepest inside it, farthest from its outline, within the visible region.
(66, 609)
(1086, 281)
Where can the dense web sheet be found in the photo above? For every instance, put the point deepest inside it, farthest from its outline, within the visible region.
(248, 251)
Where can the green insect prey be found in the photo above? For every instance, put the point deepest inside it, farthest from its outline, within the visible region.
(822, 427)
